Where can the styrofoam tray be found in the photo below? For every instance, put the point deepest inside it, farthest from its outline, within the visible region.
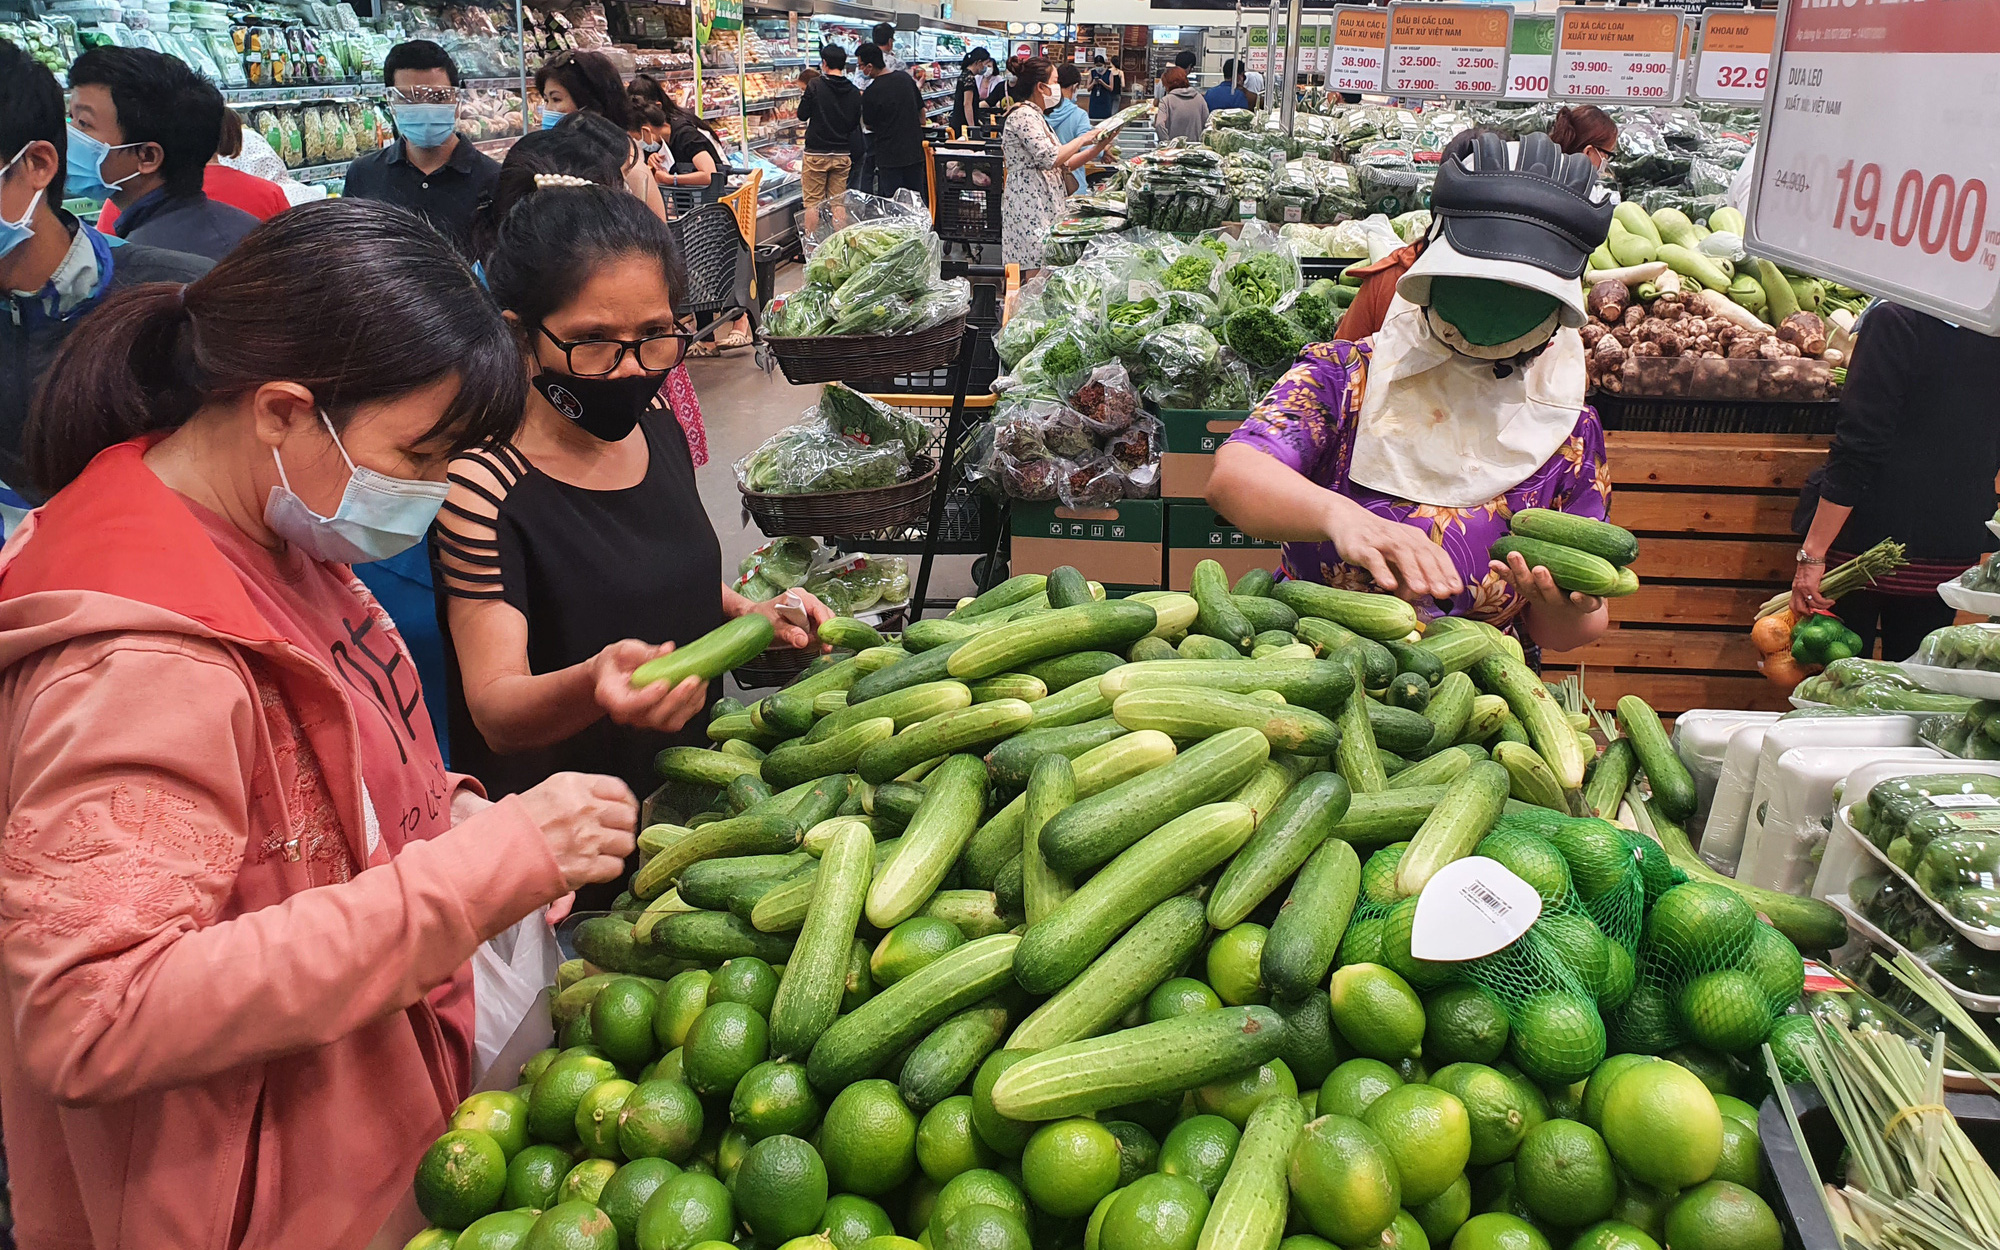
(1800, 705)
(1994, 526)
(1971, 682)
(1984, 938)
(1988, 1003)
(1984, 602)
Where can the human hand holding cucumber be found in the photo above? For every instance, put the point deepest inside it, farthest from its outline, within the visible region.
(1401, 558)
(661, 705)
(1559, 620)
(795, 615)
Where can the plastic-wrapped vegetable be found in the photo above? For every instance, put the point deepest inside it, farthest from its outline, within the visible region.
(803, 313)
(1018, 337)
(1962, 646)
(1261, 278)
(809, 457)
(853, 249)
(1128, 322)
(1231, 119)
(867, 420)
(1266, 340)
(1107, 400)
(1182, 362)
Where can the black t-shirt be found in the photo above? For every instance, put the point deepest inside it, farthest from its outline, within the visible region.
(689, 140)
(447, 197)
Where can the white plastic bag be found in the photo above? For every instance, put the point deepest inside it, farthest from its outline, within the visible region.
(509, 974)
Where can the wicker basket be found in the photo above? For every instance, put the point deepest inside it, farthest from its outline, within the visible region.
(774, 666)
(837, 513)
(836, 357)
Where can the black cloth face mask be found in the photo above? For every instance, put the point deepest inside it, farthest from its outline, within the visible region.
(604, 408)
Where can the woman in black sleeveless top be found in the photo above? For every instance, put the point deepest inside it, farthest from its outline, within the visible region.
(571, 555)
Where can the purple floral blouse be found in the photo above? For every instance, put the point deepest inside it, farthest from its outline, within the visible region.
(1307, 423)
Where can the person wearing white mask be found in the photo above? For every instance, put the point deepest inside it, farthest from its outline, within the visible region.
(430, 169)
(1036, 165)
(1393, 464)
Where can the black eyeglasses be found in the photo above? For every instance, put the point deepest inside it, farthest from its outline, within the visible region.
(593, 358)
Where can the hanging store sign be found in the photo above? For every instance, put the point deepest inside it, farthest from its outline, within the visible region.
(1360, 48)
(1734, 65)
(1616, 56)
(1448, 49)
(1530, 53)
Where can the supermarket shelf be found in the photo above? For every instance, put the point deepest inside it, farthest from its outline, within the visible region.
(305, 93)
(938, 95)
(755, 106)
(320, 173)
(489, 84)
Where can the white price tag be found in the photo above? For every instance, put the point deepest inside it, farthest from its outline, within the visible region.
(1870, 169)
(1448, 49)
(1616, 56)
(1735, 59)
(1472, 907)
(1530, 54)
(1360, 48)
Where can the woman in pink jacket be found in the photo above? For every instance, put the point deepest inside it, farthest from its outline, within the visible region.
(238, 891)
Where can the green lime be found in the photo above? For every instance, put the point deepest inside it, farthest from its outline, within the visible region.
(1563, 1174)
(1464, 1024)
(1440, 1217)
(1736, 1108)
(982, 1227)
(1091, 1227)
(532, 1070)
(1613, 1235)
(1575, 944)
(1700, 925)
(660, 1120)
(1600, 1084)
(1377, 1012)
(1156, 1115)
(621, 1022)
(534, 1176)
(1558, 1037)
(1235, 965)
(978, 1187)
(1344, 1180)
(1662, 1126)
(1180, 996)
(1565, 1101)
(1495, 1230)
(1069, 1165)
(1775, 964)
(729, 1151)
(1716, 1070)
(887, 1242)
(666, 1068)
(1413, 1071)
(946, 1142)
(745, 979)
(849, 1220)
(1305, 1241)
(1532, 858)
(723, 1044)
(772, 1098)
(1009, 1137)
(682, 999)
(1236, 1097)
(1644, 1022)
(909, 946)
(461, 1177)
(1362, 943)
(1378, 875)
(923, 1198)
(1493, 1188)
(687, 1210)
(1138, 1150)
(1354, 1085)
(780, 1189)
(869, 1139)
(501, 1115)
(1428, 1135)
(1726, 1011)
(572, 1225)
(1157, 1212)
(553, 1102)
(625, 1195)
(1403, 1233)
(1398, 928)
(1742, 1160)
(1621, 977)
(575, 1032)
(1790, 1038)
(586, 1181)
(1200, 1148)
(597, 1117)
(1596, 855)
(433, 1239)
(1641, 1206)
(502, 1230)
(1719, 1215)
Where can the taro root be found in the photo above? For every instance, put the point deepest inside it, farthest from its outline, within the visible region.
(1591, 332)
(1669, 308)
(1805, 331)
(1609, 353)
(1646, 348)
(1608, 300)
(1634, 315)
(1742, 347)
(1623, 334)
(1771, 349)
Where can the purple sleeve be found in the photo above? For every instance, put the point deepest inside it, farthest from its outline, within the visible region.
(1586, 487)
(1299, 423)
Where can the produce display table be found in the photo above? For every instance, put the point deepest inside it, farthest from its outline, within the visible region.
(1713, 515)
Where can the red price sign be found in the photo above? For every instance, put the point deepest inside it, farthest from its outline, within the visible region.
(1616, 55)
(1360, 48)
(1866, 171)
(1735, 60)
(1448, 49)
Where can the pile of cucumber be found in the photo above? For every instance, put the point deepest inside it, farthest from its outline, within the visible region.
(1582, 555)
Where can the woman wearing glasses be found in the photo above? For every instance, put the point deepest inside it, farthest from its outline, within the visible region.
(578, 550)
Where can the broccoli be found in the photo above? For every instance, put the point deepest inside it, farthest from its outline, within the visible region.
(1262, 337)
(1191, 272)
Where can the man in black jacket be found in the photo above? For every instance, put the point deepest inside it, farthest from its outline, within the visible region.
(893, 108)
(53, 268)
(831, 110)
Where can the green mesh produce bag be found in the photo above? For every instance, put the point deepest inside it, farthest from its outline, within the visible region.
(1709, 972)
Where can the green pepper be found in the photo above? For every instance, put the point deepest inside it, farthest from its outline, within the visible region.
(1822, 640)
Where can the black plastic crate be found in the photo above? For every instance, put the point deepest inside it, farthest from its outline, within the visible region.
(1312, 268)
(1668, 415)
(968, 213)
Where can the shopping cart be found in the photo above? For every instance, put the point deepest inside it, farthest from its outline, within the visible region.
(966, 181)
(721, 270)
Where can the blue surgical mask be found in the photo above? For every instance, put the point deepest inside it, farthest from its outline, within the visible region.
(379, 516)
(14, 233)
(550, 118)
(426, 125)
(84, 176)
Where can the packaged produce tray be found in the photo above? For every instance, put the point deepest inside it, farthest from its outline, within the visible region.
(1691, 415)
(836, 357)
(838, 513)
(1984, 602)
(1987, 1003)
(1973, 683)
(1983, 938)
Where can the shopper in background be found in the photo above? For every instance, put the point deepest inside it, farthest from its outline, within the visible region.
(1035, 165)
(212, 724)
(1106, 84)
(259, 197)
(1379, 277)
(582, 82)
(694, 155)
(1587, 130)
(1185, 61)
(893, 110)
(143, 127)
(53, 268)
(1182, 112)
(971, 89)
(831, 110)
(884, 37)
(1915, 451)
(1066, 119)
(1229, 93)
(430, 169)
(1253, 87)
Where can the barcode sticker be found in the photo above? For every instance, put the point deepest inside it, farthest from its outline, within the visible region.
(1954, 802)
(1472, 907)
(1477, 893)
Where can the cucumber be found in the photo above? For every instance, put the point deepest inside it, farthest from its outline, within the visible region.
(1257, 583)
(745, 792)
(1411, 658)
(816, 974)
(608, 942)
(709, 884)
(1322, 685)
(1154, 949)
(1137, 1065)
(1007, 889)
(1355, 753)
(1455, 650)
(740, 725)
(1264, 613)
(1529, 779)
(785, 712)
(1273, 781)
(708, 657)
(1008, 593)
(1175, 610)
(1216, 614)
(1602, 539)
(1051, 788)
(906, 707)
(1302, 820)
(1672, 785)
(1207, 647)
(933, 632)
(1186, 712)
(1409, 692)
(894, 802)
(968, 729)
(1327, 638)
(1628, 584)
(1449, 708)
(1548, 728)
(1463, 816)
(709, 937)
(1009, 686)
(1392, 816)
(782, 908)
(742, 749)
(794, 762)
(976, 913)
(1489, 712)
(1380, 617)
(1398, 729)
(953, 1051)
(1249, 1210)
(752, 833)
(1270, 640)
(1391, 763)
(863, 1040)
(1013, 760)
(1099, 768)
(1610, 779)
(1072, 705)
(1161, 865)
(1091, 626)
(1299, 950)
(1064, 671)
(1094, 830)
(699, 766)
(1067, 588)
(1572, 569)
(1811, 925)
(727, 706)
(1150, 648)
(953, 799)
(912, 670)
(846, 631)
(821, 835)
(1510, 731)
(1438, 770)
(668, 904)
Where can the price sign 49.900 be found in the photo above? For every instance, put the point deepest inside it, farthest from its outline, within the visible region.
(1871, 168)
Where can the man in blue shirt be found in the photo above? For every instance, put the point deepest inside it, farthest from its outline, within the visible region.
(1227, 94)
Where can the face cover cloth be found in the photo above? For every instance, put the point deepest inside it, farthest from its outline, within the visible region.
(426, 125)
(1486, 314)
(604, 408)
(83, 176)
(14, 233)
(379, 516)
(1438, 427)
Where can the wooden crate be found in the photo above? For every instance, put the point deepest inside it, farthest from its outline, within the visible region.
(1713, 514)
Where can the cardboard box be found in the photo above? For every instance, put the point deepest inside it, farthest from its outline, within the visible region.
(1192, 435)
(1196, 532)
(1122, 545)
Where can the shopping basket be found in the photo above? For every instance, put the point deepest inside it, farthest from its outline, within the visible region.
(968, 179)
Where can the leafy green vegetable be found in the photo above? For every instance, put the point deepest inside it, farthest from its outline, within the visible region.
(1258, 280)
(870, 421)
(1316, 309)
(1267, 340)
(811, 457)
(1192, 272)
